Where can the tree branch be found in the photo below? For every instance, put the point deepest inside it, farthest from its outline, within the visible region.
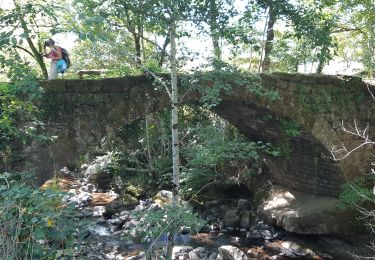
(338, 154)
(26, 50)
(159, 80)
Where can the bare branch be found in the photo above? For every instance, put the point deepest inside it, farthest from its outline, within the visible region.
(338, 154)
(25, 50)
(158, 79)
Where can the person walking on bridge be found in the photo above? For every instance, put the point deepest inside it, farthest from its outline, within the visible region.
(55, 55)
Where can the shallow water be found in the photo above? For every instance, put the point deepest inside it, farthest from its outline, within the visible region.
(324, 247)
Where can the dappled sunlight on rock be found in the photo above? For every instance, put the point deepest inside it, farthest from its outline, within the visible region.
(279, 200)
(101, 199)
(301, 212)
(63, 183)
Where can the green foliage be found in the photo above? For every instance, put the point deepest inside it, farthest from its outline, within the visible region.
(321, 100)
(105, 53)
(305, 38)
(22, 33)
(283, 148)
(221, 81)
(212, 148)
(291, 128)
(34, 223)
(22, 89)
(358, 192)
(210, 154)
(166, 220)
(18, 115)
(360, 14)
(289, 53)
(163, 172)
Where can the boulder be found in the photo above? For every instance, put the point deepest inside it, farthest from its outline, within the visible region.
(232, 217)
(178, 251)
(100, 171)
(301, 212)
(245, 218)
(163, 197)
(231, 253)
(115, 206)
(98, 211)
(244, 204)
(129, 200)
(292, 249)
(199, 253)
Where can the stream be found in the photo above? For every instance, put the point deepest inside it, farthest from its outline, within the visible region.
(111, 225)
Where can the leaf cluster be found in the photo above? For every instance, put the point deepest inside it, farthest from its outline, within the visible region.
(211, 85)
(19, 117)
(165, 222)
(34, 223)
(212, 151)
(358, 192)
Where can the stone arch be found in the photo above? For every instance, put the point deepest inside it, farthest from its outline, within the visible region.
(80, 112)
(300, 165)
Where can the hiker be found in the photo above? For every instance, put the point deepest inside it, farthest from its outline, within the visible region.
(58, 64)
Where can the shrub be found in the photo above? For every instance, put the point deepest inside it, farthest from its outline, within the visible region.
(359, 192)
(34, 223)
(170, 220)
(212, 152)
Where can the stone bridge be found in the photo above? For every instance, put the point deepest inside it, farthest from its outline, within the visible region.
(304, 122)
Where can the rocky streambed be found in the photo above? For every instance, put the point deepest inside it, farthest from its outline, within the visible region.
(234, 229)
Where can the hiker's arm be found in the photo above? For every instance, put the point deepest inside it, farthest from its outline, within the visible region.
(45, 53)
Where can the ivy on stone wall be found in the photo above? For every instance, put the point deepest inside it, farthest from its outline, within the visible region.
(213, 84)
(343, 99)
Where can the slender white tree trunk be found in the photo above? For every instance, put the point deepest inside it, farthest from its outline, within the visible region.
(148, 134)
(175, 143)
(263, 43)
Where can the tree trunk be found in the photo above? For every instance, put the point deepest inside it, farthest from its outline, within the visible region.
(148, 134)
(141, 34)
(214, 29)
(216, 45)
(262, 49)
(138, 51)
(36, 54)
(269, 40)
(162, 54)
(322, 59)
(175, 143)
(250, 58)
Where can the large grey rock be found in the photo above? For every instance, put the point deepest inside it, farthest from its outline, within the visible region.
(293, 249)
(165, 194)
(87, 188)
(232, 217)
(244, 204)
(99, 171)
(231, 253)
(99, 211)
(199, 253)
(245, 218)
(178, 251)
(300, 212)
(223, 208)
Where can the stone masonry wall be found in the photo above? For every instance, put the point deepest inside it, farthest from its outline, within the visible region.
(81, 112)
